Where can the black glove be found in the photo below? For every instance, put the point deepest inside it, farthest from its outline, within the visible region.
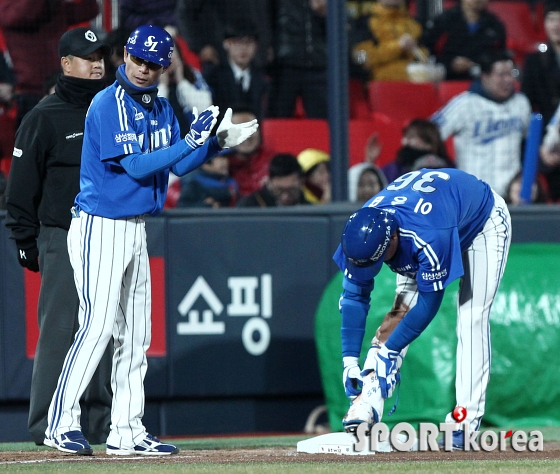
(28, 254)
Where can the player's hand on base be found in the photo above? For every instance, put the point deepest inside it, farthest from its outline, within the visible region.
(230, 134)
(28, 254)
(201, 126)
(351, 377)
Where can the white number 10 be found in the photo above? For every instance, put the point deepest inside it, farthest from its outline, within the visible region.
(424, 208)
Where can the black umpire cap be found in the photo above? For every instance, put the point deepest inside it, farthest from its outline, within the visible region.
(81, 42)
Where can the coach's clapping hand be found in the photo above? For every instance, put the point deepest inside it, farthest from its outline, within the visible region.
(231, 134)
(201, 126)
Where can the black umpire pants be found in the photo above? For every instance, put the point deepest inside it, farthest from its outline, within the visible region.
(58, 323)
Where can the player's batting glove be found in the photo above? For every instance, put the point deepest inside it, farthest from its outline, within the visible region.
(386, 364)
(351, 377)
(230, 134)
(28, 254)
(201, 126)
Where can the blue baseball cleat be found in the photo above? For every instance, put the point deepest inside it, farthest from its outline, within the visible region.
(72, 442)
(149, 446)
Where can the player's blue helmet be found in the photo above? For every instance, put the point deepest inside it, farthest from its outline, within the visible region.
(151, 43)
(367, 234)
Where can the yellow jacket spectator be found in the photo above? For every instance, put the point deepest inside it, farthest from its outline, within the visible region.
(317, 176)
(393, 43)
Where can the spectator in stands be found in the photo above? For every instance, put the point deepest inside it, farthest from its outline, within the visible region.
(209, 186)
(117, 38)
(7, 79)
(539, 193)
(357, 16)
(283, 187)
(550, 156)
(7, 82)
(203, 22)
(541, 72)
(488, 123)
(300, 59)
(32, 29)
(317, 176)
(185, 88)
(249, 161)
(238, 80)
(133, 13)
(392, 43)
(460, 35)
(420, 138)
(365, 180)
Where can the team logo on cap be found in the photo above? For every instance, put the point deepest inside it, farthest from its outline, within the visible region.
(151, 44)
(90, 36)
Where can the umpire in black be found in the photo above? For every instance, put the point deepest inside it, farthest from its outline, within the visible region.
(44, 180)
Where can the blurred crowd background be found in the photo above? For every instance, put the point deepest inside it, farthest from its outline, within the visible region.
(432, 84)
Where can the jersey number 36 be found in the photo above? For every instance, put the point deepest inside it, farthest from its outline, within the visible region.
(421, 183)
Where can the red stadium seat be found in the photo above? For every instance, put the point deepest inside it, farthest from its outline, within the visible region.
(390, 133)
(539, 22)
(190, 57)
(403, 101)
(449, 89)
(295, 135)
(7, 136)
(520, 25)
(299, 112)
(358, 100)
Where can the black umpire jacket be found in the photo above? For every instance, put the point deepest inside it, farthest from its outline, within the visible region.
(45, 171)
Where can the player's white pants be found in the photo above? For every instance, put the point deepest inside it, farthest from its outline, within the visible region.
(484, 263)
(112, 276)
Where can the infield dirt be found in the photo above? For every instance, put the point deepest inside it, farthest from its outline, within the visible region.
(276, 455)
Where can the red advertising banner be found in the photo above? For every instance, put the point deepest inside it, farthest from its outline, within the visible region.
(158, 348)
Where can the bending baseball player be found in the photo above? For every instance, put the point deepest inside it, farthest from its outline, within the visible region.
(131, 141)
(430, 227)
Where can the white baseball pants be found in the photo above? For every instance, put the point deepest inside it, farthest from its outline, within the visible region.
(484, 263)
(112, 276)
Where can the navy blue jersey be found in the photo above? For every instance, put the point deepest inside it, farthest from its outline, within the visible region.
(439, 213)
(117, 125)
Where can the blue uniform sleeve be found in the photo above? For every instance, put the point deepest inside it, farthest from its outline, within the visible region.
(142, 165)
(354, 308)
(416, 320)
(198, 157)
(439, 258)
(354, 303)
